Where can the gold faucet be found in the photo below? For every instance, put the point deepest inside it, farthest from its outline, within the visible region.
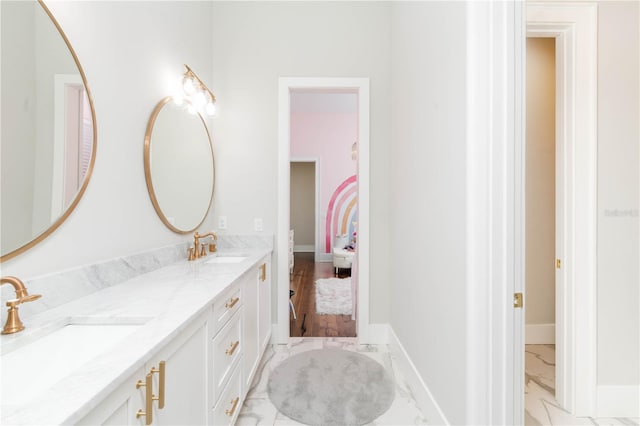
(13, 324)
(194, 253)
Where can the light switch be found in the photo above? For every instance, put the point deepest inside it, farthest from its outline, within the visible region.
(257, 224)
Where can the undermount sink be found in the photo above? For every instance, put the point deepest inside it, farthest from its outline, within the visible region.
(227, 259)
(33, 367)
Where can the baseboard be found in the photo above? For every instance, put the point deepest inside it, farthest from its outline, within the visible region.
(421, 393)
(540, 334)
(304, 249)
(618, 401)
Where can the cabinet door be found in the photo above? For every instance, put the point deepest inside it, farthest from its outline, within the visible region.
(264, 303)
(250, 325)
(121, 406)
(185, 378)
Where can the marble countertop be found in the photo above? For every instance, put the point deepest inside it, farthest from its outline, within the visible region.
(166, 300)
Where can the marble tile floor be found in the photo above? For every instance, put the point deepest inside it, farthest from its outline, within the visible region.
(258, 409)
(541, 407)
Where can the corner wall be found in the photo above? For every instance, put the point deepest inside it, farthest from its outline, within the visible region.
(428, 198)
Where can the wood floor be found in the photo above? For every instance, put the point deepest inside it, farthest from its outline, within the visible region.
(308, 323)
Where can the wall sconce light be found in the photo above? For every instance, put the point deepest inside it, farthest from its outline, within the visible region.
(354, 151)
(201, 97)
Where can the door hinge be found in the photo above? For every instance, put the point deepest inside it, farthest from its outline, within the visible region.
(558, 263)
(517, 300)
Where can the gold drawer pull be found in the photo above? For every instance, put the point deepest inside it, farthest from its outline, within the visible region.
(232, 349)
(234, 404)
(231, 303)
(161, 370)
(148, 404)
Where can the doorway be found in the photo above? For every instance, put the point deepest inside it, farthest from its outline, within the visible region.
(73, 139)
(541, 209)
(360, 270)
(573, 29)
(304, 194)
(323, 125)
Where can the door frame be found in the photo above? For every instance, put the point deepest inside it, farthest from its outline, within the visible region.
(316, 183)
(574, 27)
(361, 87)
(60, 84)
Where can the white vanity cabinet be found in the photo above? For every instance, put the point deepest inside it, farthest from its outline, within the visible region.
(257, 317)
(178, 379)
(264, 303)
(203, 374)
(250, 326)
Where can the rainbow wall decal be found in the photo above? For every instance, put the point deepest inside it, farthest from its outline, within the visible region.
(342, 213)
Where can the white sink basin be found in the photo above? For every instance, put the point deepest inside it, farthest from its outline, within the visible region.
(32, 368)
(227, 259)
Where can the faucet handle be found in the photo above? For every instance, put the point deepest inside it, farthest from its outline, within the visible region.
(30, 298)
(203, 252)
(192, 255)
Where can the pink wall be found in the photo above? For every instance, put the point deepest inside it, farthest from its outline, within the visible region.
(328, 137)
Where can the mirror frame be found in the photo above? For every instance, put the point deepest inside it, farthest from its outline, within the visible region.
(56, 224)
(147, 166)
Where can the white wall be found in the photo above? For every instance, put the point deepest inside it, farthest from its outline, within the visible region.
(255, 43)
(428, 197)
(540, 185)
(132, 54)
(618, 188)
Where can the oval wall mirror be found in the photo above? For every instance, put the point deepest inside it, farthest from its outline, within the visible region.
(48, 134)
(179, 166)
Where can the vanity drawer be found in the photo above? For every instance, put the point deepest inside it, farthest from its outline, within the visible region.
(226, 350)
(225, 306)
(226, 410)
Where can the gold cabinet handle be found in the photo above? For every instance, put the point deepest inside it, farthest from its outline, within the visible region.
(161, 375)
(231, 303)
(234, 404)
(148, 403)
(232, 349)
(263, 272)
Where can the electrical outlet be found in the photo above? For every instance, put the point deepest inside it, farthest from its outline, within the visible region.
(222, 222)
(257, 224)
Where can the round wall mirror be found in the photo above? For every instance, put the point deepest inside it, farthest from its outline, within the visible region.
(48, 132)
(179, 165)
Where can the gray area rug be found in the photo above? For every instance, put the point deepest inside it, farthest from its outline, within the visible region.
(331, 387)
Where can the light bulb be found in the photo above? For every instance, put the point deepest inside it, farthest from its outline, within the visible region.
(199, 100)
(192, 110)
(189, 85)
(210, 109)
